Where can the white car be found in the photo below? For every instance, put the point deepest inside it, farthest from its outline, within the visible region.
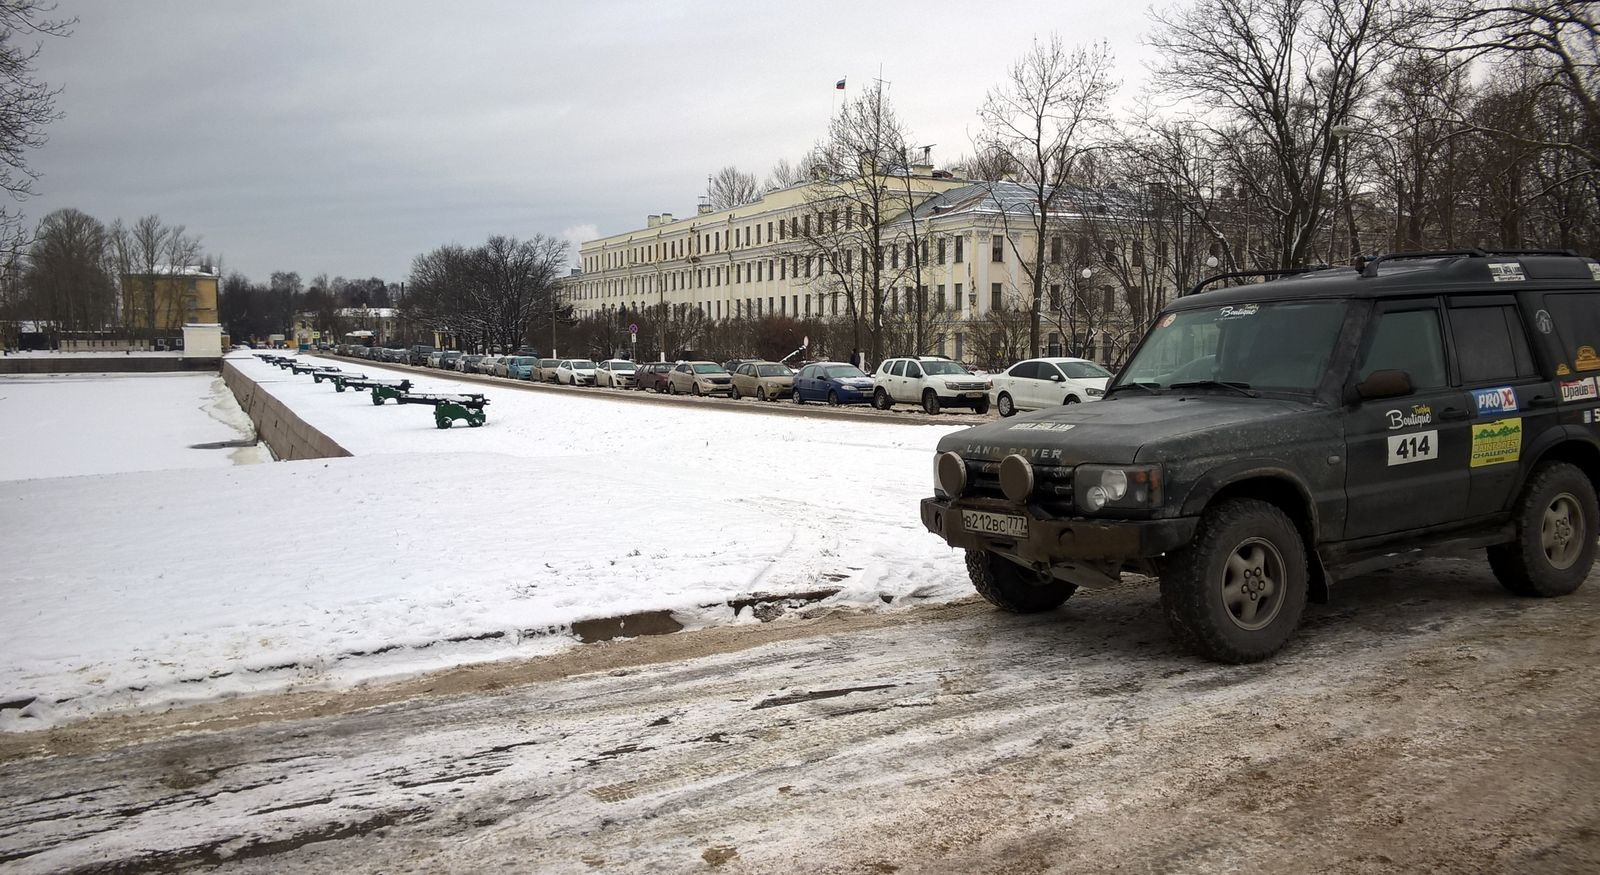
(616, 373)
(486, 364)
(575, 372)
(932, 381)
(1046, 382)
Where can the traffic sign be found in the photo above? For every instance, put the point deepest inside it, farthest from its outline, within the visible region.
(633, 328)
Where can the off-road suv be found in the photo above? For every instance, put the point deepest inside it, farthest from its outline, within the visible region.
(1264, 439)
(933, 381)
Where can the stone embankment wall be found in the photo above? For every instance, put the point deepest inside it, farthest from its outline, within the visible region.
(289, 436)
(103, 364)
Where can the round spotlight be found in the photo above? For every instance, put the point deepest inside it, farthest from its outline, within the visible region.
(1016, 478)
(950, 472)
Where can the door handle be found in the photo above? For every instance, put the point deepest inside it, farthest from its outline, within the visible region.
(1452, 413)
(1541, 401)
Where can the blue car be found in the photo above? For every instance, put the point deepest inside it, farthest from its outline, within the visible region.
(834, 382)
(521, 367)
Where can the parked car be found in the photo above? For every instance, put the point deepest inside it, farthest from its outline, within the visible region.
(447, 359)
(487, 363)
(834, 382)
(545, 370)
(417, 354)
(520, 367)
(468, 364)
(732, 365)
(1046, 382)
(699, 378)
(652, 376)
(615, 373)
(575, 372)
(501, 364)
(763, 381)
(934, 382)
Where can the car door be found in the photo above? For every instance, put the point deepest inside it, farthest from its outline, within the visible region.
(1511, 403)
(1053, 387)
(1406, 458)
(908, 381)
(1025, 385)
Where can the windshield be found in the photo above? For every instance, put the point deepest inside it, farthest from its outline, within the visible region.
(932, 368)
(1283, 345)
(708, 369)
(839, 371)
(623, 367)
(773, 371)
(583, 365)
(1084, 371)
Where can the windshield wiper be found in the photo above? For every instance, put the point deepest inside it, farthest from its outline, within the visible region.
(1152, 388)
(1241, 388)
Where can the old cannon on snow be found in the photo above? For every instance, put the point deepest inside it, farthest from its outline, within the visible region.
(449, 408)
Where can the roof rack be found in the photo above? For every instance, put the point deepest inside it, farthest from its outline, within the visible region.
(1369, 266)
(1287, 271)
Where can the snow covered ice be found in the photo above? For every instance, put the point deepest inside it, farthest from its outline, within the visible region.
(429, 548)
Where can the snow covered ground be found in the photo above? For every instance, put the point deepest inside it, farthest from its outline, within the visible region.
(432, 548)
(58, 425)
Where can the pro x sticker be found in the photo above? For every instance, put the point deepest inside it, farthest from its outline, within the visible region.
(1495, 443)
(1501, 399)
(1418, 446)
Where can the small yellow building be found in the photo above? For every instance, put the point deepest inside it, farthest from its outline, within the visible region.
(181, 295)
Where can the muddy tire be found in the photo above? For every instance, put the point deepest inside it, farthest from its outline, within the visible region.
(982, 407)
(1006, 405)
(930, 402)
(1010, 587)
(880, 400)
(833, 398)
(1236, 592)
(1556, 521)
(735, 394)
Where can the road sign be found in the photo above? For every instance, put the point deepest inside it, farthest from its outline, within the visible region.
(633, 328)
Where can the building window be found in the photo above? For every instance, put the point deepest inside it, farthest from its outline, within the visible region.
(783, 305)
(996, 298)
(808, 305)
(808, 267)
(997, 248)
(769, 268)
(894, 256)
(1138, 253)
(910, 253)
(941, 250)
(1055, 250)
(847, 254)
(938, 298)
(960, 241)
(806, 228)
(1055, 296)
(924, 250)
(783, 269)
(771, 310)
(769, 232)
(783, 230)
(959, 342)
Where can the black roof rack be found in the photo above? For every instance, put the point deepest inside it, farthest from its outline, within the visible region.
(1287, 271)
(1369, 266)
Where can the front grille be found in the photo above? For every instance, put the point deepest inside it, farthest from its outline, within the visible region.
(1052, 485)
(967, 387)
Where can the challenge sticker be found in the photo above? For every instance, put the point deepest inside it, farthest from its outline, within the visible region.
(1496, 443)
(1501, 399)
(1586, 360)
(1506, 272)
(1579, 390)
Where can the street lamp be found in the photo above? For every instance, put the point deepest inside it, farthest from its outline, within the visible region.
(1343, 131)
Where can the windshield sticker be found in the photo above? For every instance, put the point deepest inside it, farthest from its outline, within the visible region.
(1506, 272)
(1502, 399)
(1579, 390)
(1167, 321)
(1586, 360)
(1421, 414)
(1043, 426)
(1407, 448)
(1543, 321)
(1495, 443)
(1594, 271)
(1236, 312)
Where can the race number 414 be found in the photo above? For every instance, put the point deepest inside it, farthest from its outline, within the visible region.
(1415, 447)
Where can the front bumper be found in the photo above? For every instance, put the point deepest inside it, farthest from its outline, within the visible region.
(1052, 540)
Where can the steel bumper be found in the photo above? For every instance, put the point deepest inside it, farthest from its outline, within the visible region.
(1051, 540)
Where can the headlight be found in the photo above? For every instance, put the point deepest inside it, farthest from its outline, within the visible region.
(1117, 486)
(1094, 393)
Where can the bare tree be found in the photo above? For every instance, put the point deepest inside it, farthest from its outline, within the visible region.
(732, 187)
(66, 278)
(1276, 77)
(148, 256)
(27, 104)
(1043, 119)
(785, 174)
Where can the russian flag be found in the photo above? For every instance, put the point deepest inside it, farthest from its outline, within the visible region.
(839, 86)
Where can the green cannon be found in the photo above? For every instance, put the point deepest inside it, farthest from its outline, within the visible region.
(284, 362)
(305, 368)
(449, 408)
(319, 374)
(340, 381)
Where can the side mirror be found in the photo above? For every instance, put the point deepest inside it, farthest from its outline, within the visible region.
(1384, 384)
(1055, 377)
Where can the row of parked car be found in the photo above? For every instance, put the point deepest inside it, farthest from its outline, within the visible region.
(931, 382)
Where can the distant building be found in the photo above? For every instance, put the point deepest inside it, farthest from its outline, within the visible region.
(181, 295)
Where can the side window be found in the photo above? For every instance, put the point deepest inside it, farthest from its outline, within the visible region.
(1026, 371)
(1490, 344)
(1408, 340)
(1048, 371)
(898, 369)
(913, 370)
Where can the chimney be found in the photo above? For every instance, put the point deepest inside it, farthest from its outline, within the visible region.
(666, 218)
(652, 220)
(921, 169)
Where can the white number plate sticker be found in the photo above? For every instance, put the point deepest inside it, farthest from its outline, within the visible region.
(995, 523)
(1418, 446)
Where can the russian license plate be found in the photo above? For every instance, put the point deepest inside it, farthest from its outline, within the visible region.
(973, 394)
(995, 523)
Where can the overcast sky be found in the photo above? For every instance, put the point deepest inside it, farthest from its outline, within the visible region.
(347, 138)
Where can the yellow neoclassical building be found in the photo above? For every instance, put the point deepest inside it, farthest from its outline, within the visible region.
(181, 295)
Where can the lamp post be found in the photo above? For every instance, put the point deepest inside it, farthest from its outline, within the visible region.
(1343, 132)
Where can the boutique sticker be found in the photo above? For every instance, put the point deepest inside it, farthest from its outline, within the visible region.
(1235, 312)
(1420, 414)
(1496, 443)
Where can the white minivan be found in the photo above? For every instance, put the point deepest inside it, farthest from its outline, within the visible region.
(1046, 382)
